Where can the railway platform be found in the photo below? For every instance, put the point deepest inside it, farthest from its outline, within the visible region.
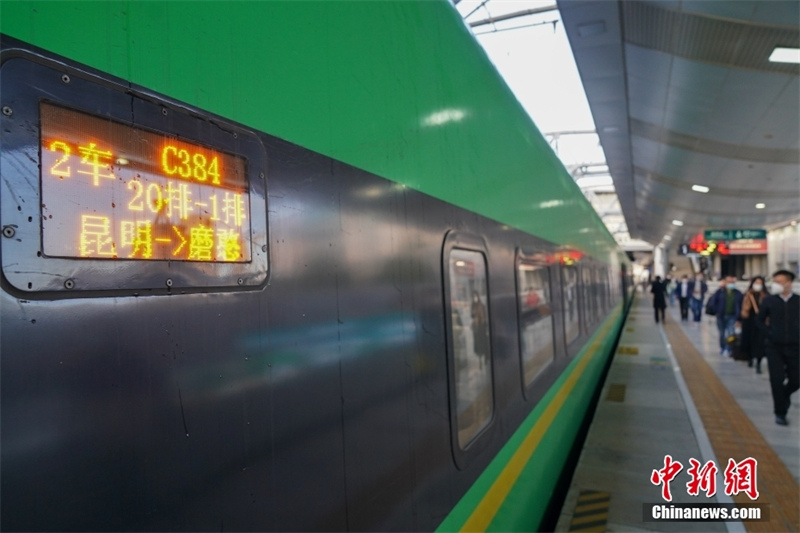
(668, 392)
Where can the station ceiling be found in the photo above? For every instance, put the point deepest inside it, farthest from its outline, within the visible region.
(683, 94)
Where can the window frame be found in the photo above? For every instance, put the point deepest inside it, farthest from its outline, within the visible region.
(463, 457)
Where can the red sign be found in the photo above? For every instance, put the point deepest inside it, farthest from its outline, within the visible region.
(748, 246)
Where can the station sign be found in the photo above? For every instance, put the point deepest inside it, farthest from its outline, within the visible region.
(747, 246)
(734, 234)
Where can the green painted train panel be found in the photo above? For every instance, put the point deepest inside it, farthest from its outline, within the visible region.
(398, 88)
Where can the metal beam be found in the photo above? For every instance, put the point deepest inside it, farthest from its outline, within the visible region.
(510, 16)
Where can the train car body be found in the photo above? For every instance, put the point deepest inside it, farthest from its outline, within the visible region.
(411, 326)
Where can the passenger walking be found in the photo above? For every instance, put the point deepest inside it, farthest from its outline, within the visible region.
(698, 288)
(658, 291)
(669, 289)
(726, 304)
(683, 292)
(779, 319)
(752, 341)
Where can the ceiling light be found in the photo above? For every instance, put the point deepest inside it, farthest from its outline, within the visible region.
(678, 222)
(610, 129)
(700, 188)
(761, 206)
(667, 237)
(783, 54)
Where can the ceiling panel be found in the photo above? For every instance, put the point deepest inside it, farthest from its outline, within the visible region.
(645, 113)
(641, 89)
(684, 168)
(645, 152)
(790, 97)
(681, 98)
(704, 105)
(752, 87)
(601, 62)
(778, 12)
(729, 129)
(776, 129)
(608, 89)
(739, 9)
(647, 63)
(666, 4)
(695, 75)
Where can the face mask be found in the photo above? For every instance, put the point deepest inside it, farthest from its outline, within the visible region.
(757, 287)
(775, 287)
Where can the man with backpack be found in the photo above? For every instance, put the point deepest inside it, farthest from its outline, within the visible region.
(725, 304)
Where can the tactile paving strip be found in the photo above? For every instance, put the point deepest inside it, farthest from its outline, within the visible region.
(591, 511)
(733, 435)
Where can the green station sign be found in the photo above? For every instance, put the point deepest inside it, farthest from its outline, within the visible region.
(734, 234)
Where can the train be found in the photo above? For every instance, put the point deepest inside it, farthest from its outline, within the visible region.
(286, 266)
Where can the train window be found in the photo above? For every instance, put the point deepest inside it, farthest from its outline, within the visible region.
(569, 277)
(535, 320)
(471, 343)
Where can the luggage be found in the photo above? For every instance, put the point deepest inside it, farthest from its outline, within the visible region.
(735, 347)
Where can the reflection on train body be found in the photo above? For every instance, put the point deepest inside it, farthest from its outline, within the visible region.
(571, 319)
(472, 347)
(536, 321)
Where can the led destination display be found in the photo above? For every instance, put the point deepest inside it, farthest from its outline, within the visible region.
(116, 191)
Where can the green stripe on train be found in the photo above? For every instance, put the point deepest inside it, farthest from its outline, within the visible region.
(522, 507)
(398, 88)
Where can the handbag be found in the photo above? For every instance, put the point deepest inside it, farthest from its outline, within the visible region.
(710, 308)
(753, 301)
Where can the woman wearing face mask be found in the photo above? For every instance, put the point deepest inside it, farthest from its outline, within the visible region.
(752, 336)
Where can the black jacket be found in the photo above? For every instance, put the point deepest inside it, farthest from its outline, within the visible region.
(659, 292)
(784, 319)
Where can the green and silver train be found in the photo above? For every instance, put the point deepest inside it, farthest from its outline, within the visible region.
(275, 266)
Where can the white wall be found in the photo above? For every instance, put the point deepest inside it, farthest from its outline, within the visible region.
(783, 249)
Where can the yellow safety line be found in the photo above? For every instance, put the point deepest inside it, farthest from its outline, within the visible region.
(486, 510)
